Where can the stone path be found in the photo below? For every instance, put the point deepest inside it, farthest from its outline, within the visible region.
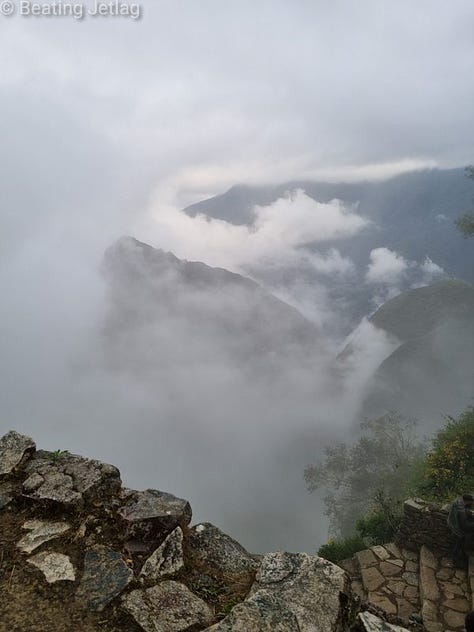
(388, 578)
(403, 583)
(471, 579)
(445, 593)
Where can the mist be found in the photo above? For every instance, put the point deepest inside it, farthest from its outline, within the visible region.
(110, 128)
(173, 397)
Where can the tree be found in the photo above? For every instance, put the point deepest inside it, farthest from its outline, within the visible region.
(369, 478)
(449, 465)
(465, 223)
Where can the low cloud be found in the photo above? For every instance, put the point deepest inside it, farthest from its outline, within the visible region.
(280, 233)
(389, 274)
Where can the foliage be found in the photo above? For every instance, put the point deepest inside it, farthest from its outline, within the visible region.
(465, 223)
(368, 481)
(379, 526)
(57, 455)
(376, 527)
(368, 476)
(449, 466)
(342, 548)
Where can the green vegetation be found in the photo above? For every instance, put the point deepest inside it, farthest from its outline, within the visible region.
(371, 476)
(465, 223)
(448, 468)
(341, 548)
(57, 455)
(415, 313)
(367, 482)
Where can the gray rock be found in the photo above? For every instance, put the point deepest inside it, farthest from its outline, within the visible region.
(6, 495)
(105, 576)
(152, 511)
(316, 591)
(167, 559)
(40, 531)
(220, 553)
(55, 566)
(5, 500)
(380, 551)
(262, 612)
(68, 479)
(370, 623)
(167, 607)
(14, 449)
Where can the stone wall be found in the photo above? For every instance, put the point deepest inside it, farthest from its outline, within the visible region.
(424, 523)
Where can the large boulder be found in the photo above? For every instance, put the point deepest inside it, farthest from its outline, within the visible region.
(147, 514)
(262, 612)
(14, 450)
(105, 576)
(368, 622)
(167, 607)
(69, 480)
(166, 560)
(316, 591)
(220, 554)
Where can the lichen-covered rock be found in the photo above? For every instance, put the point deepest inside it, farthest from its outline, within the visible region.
(105, 576)
(262, 612)
(167, 607)
(40, 531)
(368, 622)
(14, 449)
(148, 512)
(316, 591)
(69, 480)
(55, 566)
(220, 553)
(167, 559)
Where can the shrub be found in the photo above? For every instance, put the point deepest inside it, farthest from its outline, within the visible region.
(449, 466)
(341, 549)
(378, 527)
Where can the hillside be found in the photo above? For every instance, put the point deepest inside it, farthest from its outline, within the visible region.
(412, 213)
(210, 311)
(420, 311)
(432, 370)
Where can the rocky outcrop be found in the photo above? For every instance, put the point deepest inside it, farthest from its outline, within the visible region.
(168, 607)
(14, 448)
(79, 552)
(219, 552)
(316, 591)
(69, 480)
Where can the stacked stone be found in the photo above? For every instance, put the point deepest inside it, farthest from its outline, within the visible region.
(444, 591)
(471, 579)
(390, 579)
(424, 523)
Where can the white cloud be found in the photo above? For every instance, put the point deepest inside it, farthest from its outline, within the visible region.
(431, 269)
(279, 234)
(386, 267)
(390, 274)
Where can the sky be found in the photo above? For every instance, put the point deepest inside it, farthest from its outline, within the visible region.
(111, 125)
